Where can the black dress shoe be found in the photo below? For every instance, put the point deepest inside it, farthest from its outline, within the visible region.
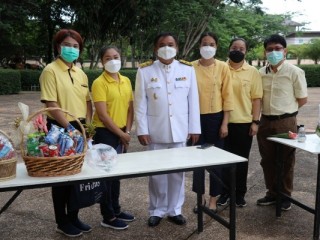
(154, 221)
(179, 219)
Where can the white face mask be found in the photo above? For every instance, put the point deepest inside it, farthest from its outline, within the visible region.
(207, 52)
(167, 52)
(113, 66)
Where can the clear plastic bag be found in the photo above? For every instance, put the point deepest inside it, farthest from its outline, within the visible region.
(101, 156)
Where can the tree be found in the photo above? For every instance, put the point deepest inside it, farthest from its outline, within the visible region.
(193, 18)
(31, 31)
(248, 22)
(11, 31)
(297, 51)
(131, 25)
(51, 15)
(313, 50)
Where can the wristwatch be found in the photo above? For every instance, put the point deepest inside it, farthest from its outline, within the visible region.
(257, 122)
(128, 132)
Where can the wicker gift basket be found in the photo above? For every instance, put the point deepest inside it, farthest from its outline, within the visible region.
(8, 166)
(38, 166)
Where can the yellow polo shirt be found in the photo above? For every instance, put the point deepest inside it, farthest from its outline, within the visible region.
(281, 89)
(116, 95)
(214, 86)
(247, 85)
(57, 86)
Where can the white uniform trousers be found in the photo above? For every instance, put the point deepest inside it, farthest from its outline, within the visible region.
(166, 191)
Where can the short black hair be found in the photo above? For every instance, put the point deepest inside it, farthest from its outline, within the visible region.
(164, 34)
(239, 39)
(104, 49)
(275, 38)
(210, 34)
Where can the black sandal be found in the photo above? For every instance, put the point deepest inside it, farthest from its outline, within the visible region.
(195, 209)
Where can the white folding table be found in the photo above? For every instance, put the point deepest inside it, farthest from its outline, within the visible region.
(138, 164)
(312, 145)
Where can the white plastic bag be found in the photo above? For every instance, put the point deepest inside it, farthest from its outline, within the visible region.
(101, 156)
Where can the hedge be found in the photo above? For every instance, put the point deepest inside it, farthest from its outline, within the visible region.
(130, 73)
(10, 81)
(13, 81)
(312, 74)
(30, 79)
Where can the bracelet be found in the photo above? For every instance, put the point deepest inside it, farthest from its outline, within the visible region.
(128, 132)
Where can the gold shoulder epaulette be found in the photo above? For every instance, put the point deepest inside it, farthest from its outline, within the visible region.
(185, 62)
(146, 64)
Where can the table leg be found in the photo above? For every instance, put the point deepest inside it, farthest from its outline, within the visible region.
(11, 200)
(200, 212)
(232, 230)
(317, 207)
(279, 178)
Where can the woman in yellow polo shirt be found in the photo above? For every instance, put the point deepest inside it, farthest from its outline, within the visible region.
(244, 119)
(216, 102)
(66, 86)
(113, 100)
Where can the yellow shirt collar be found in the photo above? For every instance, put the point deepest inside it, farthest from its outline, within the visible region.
(63, 66)
(109, 79)
(245, 66)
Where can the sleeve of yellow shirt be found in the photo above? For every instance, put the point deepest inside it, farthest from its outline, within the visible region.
(227, 91)
(48, 86)
(98, 91)
(256, 85)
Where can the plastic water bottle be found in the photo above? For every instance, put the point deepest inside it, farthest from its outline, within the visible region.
(301, 134)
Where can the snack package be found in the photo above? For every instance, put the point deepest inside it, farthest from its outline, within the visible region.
(53, 135)
(101, 156)
(6, 148)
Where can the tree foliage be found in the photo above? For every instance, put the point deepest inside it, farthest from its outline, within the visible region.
(313, 50)
(28, 26)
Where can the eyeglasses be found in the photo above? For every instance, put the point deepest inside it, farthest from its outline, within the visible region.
(277, 49)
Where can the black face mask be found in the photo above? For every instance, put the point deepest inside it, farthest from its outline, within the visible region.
(236, 56)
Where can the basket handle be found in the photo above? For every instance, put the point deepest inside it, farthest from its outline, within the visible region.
(85, 146)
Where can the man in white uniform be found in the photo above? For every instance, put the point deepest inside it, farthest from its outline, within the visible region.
(167, 114)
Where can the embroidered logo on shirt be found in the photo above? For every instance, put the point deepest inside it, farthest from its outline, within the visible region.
(181, 79)
(154, 79)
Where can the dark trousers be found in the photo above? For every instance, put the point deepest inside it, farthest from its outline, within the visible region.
(268, 153)
(210, 128)
(61, 194)
(109, 205)
(60, 198)
(238, 142)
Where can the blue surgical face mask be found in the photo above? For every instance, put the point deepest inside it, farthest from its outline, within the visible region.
(274, 57)
(69, 54)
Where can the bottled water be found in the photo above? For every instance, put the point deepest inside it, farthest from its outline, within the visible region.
(301, 134)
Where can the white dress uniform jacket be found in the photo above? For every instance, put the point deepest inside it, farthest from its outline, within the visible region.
(166, 109)
(167, 102)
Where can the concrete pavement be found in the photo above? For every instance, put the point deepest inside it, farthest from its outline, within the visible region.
(31, 215)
